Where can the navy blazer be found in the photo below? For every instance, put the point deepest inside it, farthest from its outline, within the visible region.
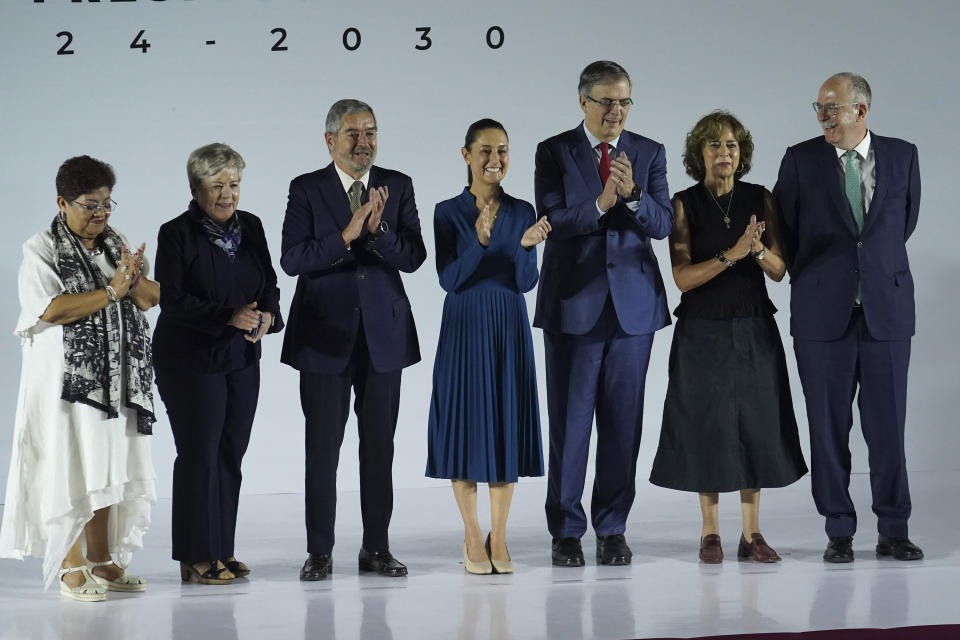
(336, 287)
(192, 330)
(586, 257)
(826, 255)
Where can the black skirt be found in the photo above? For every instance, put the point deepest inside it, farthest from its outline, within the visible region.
(728, 421)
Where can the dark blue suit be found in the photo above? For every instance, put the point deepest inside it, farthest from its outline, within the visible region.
(840, 347)
(600, 299)
(207, 373)
(350, 325)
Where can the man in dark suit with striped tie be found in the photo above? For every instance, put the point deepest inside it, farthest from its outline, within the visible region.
(349, 230)
(849, 202)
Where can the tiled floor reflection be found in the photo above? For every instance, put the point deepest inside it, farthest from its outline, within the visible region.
(665, 592)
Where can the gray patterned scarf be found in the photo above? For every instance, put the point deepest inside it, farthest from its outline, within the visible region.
(93, 355)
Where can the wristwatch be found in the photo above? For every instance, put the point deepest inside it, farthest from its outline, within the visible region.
(382, 228)
(760, 255)
(635, 194)
(722, 258)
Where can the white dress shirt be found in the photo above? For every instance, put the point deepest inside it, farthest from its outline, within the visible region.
(868, 169)
(347, 180)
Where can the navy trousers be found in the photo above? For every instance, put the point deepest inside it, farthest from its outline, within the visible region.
(600, 373)
(211, 415)
(325, 400)
(874, 371)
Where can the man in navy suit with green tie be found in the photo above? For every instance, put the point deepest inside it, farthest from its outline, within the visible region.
(849, 201)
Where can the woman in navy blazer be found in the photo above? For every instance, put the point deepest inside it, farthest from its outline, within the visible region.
(218, 298)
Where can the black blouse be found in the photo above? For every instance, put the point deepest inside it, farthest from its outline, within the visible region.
(740, 291)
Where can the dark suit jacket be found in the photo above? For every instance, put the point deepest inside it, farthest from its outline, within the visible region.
(192, 330)
(337, 287)
(583, 258)
(827, 257)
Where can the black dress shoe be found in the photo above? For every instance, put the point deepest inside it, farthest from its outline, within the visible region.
(382, 563)
(567, 552)
(613, 550)
(899, 548)
(317, 567)
(839, 549)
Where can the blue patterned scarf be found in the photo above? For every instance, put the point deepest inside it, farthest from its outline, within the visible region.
(227, 239)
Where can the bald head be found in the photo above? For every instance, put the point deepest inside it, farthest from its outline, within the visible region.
(857, 85)
(844, 100)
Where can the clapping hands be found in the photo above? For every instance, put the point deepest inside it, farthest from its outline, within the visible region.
(128, 271)
(749, 242)
(536, 234)
(484, 225)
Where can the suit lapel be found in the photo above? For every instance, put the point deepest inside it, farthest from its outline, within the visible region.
(881, 167)
(832, 182)
(334, 197)
(583, 156)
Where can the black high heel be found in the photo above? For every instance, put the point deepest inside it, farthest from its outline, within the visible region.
(190, 573)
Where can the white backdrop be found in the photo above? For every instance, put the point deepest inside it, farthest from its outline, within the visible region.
(145, 111)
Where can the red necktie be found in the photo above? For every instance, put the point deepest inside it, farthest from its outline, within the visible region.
(604, 162)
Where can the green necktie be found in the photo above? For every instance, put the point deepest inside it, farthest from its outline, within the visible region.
(354, 195)
(851, 184)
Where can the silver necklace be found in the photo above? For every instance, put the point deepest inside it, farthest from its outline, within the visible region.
(726, 214)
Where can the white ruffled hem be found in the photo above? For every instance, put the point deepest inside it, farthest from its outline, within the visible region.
(130, 505)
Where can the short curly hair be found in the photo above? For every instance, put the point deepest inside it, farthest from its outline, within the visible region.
(83, 174)
(709, 128)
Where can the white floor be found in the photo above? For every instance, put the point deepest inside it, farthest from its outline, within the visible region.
(666, 592)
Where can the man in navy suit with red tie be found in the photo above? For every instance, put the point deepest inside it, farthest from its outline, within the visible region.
(849, 201)
(349, 230)
(600, 300)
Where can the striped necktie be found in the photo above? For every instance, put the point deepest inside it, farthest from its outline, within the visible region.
(851, 184)
(354, 195)
(604, 161)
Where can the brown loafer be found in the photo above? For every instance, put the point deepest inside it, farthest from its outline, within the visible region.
(757, 548)
(710, 550)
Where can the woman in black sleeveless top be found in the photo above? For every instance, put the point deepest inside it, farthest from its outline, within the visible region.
(728, 421)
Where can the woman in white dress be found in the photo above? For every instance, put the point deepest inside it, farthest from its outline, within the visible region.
(80, 467)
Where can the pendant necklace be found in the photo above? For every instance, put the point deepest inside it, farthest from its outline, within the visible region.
(726, 214)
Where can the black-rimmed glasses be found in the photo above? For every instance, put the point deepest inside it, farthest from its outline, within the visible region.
(608, 104)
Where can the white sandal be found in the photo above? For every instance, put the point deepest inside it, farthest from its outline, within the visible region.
(89, 591)
(126, 582)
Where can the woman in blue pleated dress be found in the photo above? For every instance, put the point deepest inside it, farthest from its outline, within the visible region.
(484, 415)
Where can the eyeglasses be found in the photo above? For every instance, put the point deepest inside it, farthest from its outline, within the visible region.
(830, 109)
(608, 104)
(93, 209)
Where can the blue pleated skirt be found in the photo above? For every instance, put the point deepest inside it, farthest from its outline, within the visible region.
(484, 415)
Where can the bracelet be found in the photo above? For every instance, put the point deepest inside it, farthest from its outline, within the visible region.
(760, 255)
(724, 259)
(111, 293)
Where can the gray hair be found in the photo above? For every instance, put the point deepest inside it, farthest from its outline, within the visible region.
(342, 108)
(211, 159)
(859, 87)
(601, 71)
